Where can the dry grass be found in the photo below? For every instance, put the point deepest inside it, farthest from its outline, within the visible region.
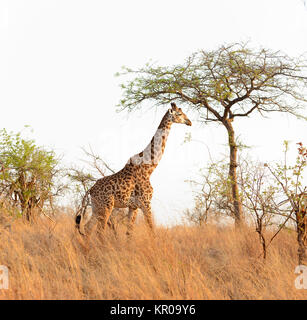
(54, 262)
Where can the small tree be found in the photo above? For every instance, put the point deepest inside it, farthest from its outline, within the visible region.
(291, 180)
(213, 194)
(82, 180)
(259, 198)
(231, 82)
(28, 175)
(200, 213)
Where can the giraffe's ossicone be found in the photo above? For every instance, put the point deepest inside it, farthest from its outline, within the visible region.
(130, 187)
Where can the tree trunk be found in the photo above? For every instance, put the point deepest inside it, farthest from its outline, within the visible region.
(235, 197)
(301, 239)
(259, 230)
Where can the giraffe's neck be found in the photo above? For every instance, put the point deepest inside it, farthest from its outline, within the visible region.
(149, 158)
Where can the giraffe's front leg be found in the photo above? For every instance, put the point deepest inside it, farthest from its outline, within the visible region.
(112, 223)
(146, 208)
(131, 219)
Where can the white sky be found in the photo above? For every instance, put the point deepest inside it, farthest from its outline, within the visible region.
(57, 66)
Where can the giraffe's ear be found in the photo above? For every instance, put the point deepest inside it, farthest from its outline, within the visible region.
(170, 110)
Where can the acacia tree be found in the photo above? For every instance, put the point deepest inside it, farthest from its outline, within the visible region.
(222, 85)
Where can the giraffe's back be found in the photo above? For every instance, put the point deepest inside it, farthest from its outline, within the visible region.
(116, 188)
(129, 187)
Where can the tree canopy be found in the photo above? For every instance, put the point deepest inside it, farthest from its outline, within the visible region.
(229, 82)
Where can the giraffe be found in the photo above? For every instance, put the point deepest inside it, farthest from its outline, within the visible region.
(130, 187)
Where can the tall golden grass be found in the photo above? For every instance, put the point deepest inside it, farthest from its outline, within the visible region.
(52, 261)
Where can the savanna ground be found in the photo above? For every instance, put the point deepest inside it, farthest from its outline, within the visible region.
(50, 260)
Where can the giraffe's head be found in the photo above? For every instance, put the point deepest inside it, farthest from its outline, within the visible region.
(177, 115)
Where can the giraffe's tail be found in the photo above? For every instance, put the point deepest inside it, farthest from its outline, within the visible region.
(81, 212)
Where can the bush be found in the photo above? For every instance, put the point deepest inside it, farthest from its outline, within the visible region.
(28, 173)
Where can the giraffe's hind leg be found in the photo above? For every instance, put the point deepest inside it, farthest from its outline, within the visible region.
(103, 212)
(91, 225)
(81, 220)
